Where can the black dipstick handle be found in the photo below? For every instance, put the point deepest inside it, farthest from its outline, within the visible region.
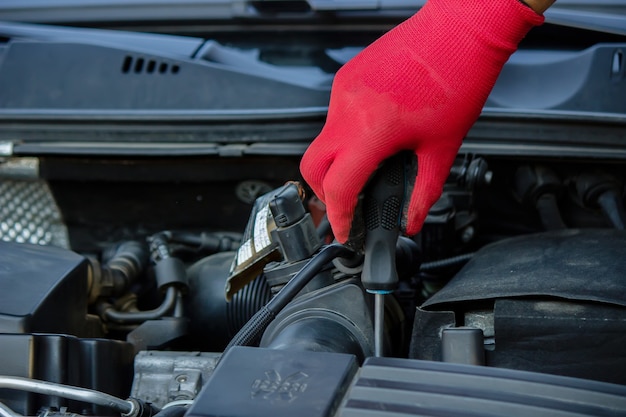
(382, 206)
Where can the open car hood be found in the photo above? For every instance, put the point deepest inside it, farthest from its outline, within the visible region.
(220, 94)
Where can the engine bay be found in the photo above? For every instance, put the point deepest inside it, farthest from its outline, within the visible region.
(160, 253)
(519, 267)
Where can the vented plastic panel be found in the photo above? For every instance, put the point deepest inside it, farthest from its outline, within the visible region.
(398, 387)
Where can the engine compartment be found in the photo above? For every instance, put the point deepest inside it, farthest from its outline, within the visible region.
(160, 254)
(518, 266)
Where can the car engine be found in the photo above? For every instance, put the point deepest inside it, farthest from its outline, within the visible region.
(519, 267)
(174, 262)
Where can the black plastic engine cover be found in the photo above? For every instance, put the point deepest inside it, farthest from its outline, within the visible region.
(103, 365)
(42, 289)
(265, 382)
(389, 387)
(585, 340)
(557, 302)
(585, 265)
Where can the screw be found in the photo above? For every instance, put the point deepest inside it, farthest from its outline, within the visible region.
(468, 234)
(488, 177)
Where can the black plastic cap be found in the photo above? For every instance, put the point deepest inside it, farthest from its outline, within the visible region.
(278, 383)
(286, 206)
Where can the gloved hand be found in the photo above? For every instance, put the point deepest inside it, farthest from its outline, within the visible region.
(420, 87)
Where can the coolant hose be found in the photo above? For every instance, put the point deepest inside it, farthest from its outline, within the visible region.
(113, 278)
(253, 329)
(126, 264)
(135, 317)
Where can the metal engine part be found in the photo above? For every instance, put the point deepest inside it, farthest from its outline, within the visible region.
(162, 377)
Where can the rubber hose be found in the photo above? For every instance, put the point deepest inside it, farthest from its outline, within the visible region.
(549, 212)
(443, 263)
(135, 317)
(253, 329)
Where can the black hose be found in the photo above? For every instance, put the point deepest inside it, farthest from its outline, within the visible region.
(443, 263)
(130, 256)
(123, 265)
(249, 334)
(252, 330)
(549, 212)
(135, 317)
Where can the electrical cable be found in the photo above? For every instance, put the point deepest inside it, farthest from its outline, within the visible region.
(251, 331)
(443, 263)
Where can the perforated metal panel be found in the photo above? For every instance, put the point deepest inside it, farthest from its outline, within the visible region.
(29, 214)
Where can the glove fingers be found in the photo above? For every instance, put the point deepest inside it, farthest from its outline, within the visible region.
(343, 183)
(433, 169)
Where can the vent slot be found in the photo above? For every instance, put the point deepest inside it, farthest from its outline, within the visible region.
(140, 65)
(617, 65)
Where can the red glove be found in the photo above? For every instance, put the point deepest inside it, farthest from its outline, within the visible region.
(420, 87)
